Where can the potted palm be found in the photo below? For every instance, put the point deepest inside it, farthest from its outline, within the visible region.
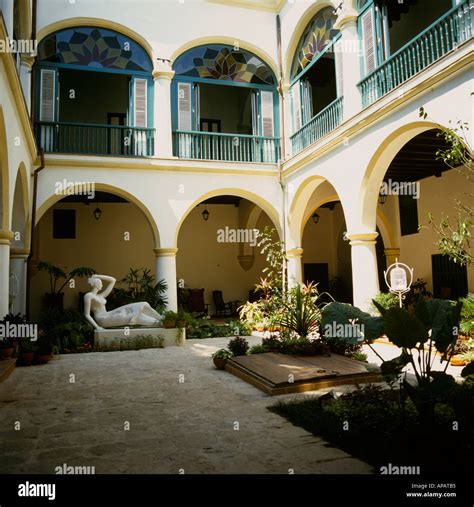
(220, 358)
(54, 298)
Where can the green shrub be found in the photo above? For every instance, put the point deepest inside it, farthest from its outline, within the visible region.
(238, 346)
(384, 299)
(259, 349)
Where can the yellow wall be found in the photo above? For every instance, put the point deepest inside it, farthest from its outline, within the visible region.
(202, 262)
(100, 244)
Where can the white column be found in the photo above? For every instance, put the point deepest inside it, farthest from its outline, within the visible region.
(5, 238)
(365, 280)
(163, 75)
(294, 267)
(18, 265)
(26, 63)
(288, 120)
(347, 24)
(166, 270)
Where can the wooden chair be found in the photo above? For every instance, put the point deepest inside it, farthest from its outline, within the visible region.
(224, 309)
(196, 303)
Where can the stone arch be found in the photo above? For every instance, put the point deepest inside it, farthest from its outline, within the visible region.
(20, 209)
(216, 39)
(98, 23)
(300, 27)
(378, 166)
(245, 194)
(4, 176)
(53, 199)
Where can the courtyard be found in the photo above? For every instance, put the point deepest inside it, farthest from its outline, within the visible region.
(183, 415)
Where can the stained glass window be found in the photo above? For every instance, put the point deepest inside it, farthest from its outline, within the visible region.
(314, 39)
(94, 47)
(222, 62)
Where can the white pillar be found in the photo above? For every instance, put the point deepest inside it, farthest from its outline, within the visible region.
(294, 267)
(26, 62)
(5, 238)
(18, 265)
(347, 24)
(166, 270)
(365, 280)
(163, 75)
(288, 121)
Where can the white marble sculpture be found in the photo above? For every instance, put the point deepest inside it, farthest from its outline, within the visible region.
(138, 314)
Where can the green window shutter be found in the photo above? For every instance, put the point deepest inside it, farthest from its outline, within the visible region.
(306, 101)
(140, 107)
(408, 214)
(47, 106)
(367, 23)
(184, 107)
(266, 99)
(296, 96)
(339, 75)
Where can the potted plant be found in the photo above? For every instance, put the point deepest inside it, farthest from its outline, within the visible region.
(185, 319)
(169, 319)
(220, 358)
(54, 298)
(27, 349)
(44, 351)
(6, 348)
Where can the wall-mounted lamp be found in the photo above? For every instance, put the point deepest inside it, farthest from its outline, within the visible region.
(205, 215)
(97, 213)
(382, 198)
(315, 218)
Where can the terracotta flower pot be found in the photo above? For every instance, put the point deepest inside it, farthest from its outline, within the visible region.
(7, 353)
(219, 363)
(42, 358)
(458, 361)
(26, 358)
(169, 324)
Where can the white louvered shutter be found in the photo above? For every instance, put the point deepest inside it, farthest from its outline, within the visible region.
(184, 107)
(338, 63)
(368, 37)
(47, 95)
(140, 102)
(296, 94)
(267, 113)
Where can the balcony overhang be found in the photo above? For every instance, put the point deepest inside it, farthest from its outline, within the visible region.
(434, 75)
(261, 5)
(60, 161)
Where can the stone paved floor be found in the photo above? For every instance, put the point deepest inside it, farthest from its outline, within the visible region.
(174, 425)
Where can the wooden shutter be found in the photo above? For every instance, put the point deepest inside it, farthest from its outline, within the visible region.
(47, 107)
(296, 94)
(266, 99)
(184, 107)
(338, 63)
(140, 88)
(367, 21)
(306, 101)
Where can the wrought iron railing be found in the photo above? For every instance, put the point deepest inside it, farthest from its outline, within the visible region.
(90, 139)
(432, 44)
(320, 125)
(228, 147)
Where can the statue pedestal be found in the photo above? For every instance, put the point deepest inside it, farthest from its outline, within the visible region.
(123, 338)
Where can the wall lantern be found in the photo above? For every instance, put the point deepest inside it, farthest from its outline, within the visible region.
(315, 218)
(97, 213)
(205, 215)
(399, 278)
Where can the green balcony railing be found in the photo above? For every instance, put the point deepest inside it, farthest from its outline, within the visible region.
(320, 125)
(90, 139)
(228, 147)
(440, 38)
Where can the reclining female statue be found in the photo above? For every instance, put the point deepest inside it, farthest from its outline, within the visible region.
(141, 314)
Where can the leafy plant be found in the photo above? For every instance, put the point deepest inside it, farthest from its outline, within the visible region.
(55, 274)
(222, 354)
(467, 315)
(170, 315)
(430, 326)
(386, 300)
(359, 356)
(25, 346)
(238, 346)
(140, 286)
